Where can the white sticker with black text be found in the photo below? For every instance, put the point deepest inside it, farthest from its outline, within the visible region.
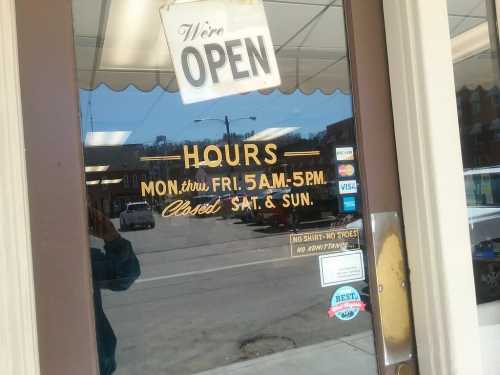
(341, 268)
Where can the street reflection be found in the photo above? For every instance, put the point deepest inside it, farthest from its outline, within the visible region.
(244, 211)
(213, 240)
(479, 120)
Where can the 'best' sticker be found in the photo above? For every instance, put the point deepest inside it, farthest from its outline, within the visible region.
(346, 303)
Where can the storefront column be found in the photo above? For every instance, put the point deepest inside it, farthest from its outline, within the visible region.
(18, 338)
(432, 186)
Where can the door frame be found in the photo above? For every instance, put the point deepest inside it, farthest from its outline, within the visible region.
(56, 184)
(443, 352)
(379, 177)
(19, 339)
(432, 186)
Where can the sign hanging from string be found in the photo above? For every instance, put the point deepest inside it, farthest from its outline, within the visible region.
(220, 48)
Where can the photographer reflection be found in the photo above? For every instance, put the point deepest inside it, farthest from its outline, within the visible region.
(115, 268)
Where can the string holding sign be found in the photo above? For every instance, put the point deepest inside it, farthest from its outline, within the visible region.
(220, 48)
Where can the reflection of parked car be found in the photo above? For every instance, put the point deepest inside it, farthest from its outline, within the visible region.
(204, 200)
(293, 215)
(484, 224)
(266, 215)
(244, 210)
(226, 205)
(137, 214)
(322, 204)
(483, 201)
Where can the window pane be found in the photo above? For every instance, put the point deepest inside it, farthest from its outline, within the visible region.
(214, 224)
(473, 27)
(477, 67)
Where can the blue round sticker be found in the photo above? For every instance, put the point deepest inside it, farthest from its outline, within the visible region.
(346, 303)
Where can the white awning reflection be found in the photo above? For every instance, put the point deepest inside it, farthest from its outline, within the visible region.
(120, 43)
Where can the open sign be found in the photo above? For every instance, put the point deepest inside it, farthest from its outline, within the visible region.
(220, 48)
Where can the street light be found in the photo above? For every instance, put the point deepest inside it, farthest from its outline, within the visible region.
(226, 121)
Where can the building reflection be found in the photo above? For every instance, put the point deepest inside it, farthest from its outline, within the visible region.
(119, 184)
(142, 163)
(479, 121)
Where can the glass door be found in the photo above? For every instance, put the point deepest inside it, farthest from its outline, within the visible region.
(225, 202)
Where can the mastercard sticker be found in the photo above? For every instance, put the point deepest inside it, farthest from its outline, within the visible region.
(346, 170)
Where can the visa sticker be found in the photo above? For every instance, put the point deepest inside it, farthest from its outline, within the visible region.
(348, 187)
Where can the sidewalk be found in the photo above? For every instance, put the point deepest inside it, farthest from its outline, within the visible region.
(351, 355)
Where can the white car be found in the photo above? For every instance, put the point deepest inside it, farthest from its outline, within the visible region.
(137, 214)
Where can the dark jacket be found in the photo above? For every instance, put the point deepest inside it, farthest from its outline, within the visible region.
(115, 268)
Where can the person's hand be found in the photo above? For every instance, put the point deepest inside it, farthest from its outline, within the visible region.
(101, 226)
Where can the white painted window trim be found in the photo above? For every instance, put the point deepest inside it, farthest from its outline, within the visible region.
(18, 337)
(432, 186)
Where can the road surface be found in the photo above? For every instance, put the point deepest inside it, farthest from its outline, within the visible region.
(214, 292)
